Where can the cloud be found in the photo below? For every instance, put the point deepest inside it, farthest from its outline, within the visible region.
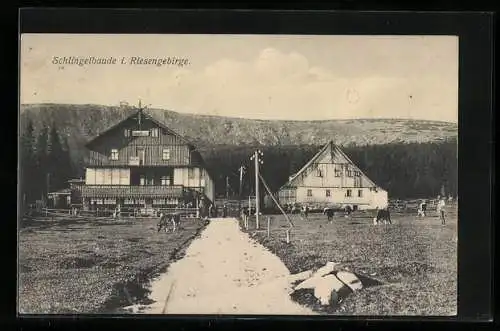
(272, 85)
(277, 85)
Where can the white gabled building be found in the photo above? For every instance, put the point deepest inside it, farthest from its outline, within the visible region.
(330, 178)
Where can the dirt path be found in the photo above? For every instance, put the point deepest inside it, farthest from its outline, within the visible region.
(225, 272)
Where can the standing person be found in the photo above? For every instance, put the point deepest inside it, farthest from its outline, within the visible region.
(440, 209)
(224, 211)
(422, 208)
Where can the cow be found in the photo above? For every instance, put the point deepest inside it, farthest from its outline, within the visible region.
(348, 210)
(174, 218)
(382, 215)
(295, 210)
(329, 212)
(304, 212)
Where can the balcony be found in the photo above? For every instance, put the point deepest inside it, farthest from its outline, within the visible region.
(122, 191)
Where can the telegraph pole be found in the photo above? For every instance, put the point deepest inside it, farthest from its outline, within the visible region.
(257, 160)
(241, 169)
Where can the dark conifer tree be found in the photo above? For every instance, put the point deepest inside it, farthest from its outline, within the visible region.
(27, 165)
(41, 178)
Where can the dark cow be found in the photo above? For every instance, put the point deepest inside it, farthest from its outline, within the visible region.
(174, 218)
(348, 210)
(383, 215)
(329, 212)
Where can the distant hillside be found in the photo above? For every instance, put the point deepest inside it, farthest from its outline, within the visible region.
(81, 122)
(88, 120)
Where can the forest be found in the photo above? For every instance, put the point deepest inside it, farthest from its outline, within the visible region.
(404, 169)
(45, 163)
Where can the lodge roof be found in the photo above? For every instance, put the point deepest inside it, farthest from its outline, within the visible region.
(145, 115)
(334, 149)
(64, 191)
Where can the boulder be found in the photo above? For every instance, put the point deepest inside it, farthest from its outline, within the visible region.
(350, 279)
(326, 288)
(326, 269)
(313, 279)
(300, 276)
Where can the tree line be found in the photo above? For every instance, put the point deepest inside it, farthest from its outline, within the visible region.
(45, 163)
(405, 170)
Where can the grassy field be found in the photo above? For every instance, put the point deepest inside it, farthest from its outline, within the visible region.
(415, 260)
(93, 266)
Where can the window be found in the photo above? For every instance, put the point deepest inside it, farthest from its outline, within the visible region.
(166, 154)
(165, 180)
(337, 171)
(191, 173)
(155, 132)
(126, 133)
(309, 193)
(318, 173)
(349, 172)
(360, 193)
(142, 180)
(328, 193)
(114, 154)
(357, 173)
(348, 193)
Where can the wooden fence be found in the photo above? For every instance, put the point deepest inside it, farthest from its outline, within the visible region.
(111, 213)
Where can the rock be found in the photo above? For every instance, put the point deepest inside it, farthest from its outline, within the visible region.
(328, 268)
(300, 276)
(350, 280)
(325, 287)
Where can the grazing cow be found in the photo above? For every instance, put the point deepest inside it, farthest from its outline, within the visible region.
(382, 215)
(348, 210)
(295, 210)
(174, 218)
(422, 208)
(304, 212)
(329, 212)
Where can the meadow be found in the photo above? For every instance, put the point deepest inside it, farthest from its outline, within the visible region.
(413, 260)
(93, 266)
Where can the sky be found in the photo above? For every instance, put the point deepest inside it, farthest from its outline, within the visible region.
(251, 76)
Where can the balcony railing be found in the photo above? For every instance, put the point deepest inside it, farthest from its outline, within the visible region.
(122, 191)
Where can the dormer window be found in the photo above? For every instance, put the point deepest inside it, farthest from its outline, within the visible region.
(155, 132)
(126, 132)
(114, 154)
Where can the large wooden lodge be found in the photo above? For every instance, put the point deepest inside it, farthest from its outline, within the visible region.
(141, 163)
(331, 179)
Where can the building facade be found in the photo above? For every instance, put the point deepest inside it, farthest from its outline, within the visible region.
(331, 179)
(140, 162)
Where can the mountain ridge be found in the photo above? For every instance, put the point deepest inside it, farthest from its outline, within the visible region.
(69, 105)
(80, 123)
